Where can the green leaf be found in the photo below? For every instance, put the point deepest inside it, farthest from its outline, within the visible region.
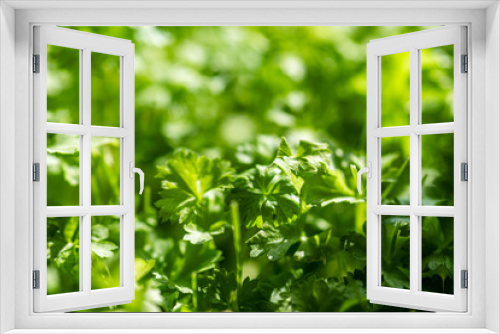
(264, 195)
(311, 294)
(255, 296)
(219, 290)
(312, 174)
(71, 229)
(325, 189)
(99, 232)
(104, 248)
(285, 164)
(275, 242)
(188, 180)
(183, 259)
(142, 268)
(310, 158)
(178, 205)
(395, 251)
(396, 277)
(315, 153)
(261, 151)
(318, 247)
(197, 236)
(195, 174)
(354, 247)
(284, 149)
(338, 200)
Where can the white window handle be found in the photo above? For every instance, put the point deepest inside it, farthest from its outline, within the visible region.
(133, 170)
(367, 170)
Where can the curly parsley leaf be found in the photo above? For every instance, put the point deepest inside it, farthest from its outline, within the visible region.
(192, 186)
(264, 195)
(312, 174)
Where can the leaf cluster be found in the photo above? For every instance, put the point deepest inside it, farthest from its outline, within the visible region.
(276, 206)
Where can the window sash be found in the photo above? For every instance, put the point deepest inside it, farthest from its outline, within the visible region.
(86, 298)
(413, 298)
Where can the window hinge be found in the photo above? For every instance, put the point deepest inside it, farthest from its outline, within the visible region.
(465, 279)
(464, 171)
(36, 63)
(36, 172)
(465, 64)
(36, 279)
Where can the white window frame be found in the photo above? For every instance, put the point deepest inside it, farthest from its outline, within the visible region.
(85, 44)
(413, 43)
(483, 101)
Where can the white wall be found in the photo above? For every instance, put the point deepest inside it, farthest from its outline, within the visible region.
(492, 167)
(7, 159)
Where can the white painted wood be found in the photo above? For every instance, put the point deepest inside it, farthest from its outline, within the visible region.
(460, 107)
(491, 162)
(7, 167)
(95, 210)
(393, 131)
(86, 298)
(127, 184)
(406, 210)
(415, 171)
(419, 129)
(256, 331)
(85, 175)
(109, 131)
(438, 128)
(471, 322)
(245, 4)
(77, 129)
(414, 42)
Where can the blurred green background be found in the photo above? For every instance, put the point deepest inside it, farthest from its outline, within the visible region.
(238, 219)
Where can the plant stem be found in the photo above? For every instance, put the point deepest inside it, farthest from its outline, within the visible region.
(147, 199)
(235, 217)
(194, 286)
(389, 188)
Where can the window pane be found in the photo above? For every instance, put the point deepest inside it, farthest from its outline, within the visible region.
(437, 84)
(395, 89)
(63, 255)
(105, 171)
(63, 169)
(395, 233)
(63, 85)
(437, 169)
(437, 254)
(105, 252)
(395, 170)
(105, 73)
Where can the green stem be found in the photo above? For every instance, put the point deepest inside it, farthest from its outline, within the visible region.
(194, 286)
(235, 217)
(147, 199)
(394, 239)
(388, 190)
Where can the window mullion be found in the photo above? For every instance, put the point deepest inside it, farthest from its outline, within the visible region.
(67, 129)
(85, 161)
(414, 171)
(102, 131)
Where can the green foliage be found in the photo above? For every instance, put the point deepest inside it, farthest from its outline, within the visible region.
(396, 252)
(63, 170)
(63, 255)
(437, 254)
(191, 185)
(255, 138)
(265, 197)
(275, 203)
